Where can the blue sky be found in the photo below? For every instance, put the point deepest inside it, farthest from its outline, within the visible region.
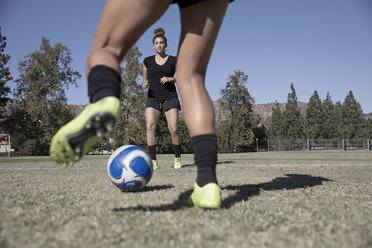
(323, 45)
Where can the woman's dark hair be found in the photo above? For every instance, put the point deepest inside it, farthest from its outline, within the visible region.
(159, 32)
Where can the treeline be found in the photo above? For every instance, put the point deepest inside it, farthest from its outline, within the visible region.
(323, 119)
(39, 108)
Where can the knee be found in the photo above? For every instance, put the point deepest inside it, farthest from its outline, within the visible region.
(173, 129)
(187, 79)
(151, 126)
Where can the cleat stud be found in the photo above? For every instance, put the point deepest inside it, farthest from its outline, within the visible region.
(77, 157)
(88, 126)
(97, 118)
(109, 128)
(77, 150)
(99, 134)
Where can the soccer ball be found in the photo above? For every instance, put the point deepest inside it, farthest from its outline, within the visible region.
(129, 168)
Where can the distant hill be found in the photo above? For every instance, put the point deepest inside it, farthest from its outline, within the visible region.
(263, 110)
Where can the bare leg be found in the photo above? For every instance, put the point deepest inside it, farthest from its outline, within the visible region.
(152, 117)
(172, 120)
(200, 25)
(120, 26)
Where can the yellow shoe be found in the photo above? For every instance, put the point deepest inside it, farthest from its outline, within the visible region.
(177, 163)
(208, 196)
(74, 139)
(155, 164)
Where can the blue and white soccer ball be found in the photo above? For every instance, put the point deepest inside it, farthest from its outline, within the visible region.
(129, 168)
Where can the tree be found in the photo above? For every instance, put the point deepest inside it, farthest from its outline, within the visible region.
(329, 127)
(369, 129)
(131, 128)
(314, 117)
(339, 120)
(19, 124)
(44, 76)
(293, 121)
(275, 127)
(352, 115)
(164, 139)
(4, 73)
(237, 133)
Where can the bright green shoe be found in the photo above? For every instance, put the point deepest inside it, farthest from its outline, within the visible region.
(177, 163)
(75, 138)
(154, 164)
(208, 196)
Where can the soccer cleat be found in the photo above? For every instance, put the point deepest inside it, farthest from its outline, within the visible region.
(154, 164)
(74, 139)
(177, 163)
(208, 196)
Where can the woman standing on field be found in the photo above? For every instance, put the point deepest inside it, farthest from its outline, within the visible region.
(158, 77)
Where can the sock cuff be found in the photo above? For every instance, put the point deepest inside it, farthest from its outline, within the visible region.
(203, 137)
(103, 81)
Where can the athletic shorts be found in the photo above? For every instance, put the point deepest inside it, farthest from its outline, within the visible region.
(184, 3)
(164, 105)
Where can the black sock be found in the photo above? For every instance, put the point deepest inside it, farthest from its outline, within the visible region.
(177, 150)
(152, 151)
(205, 156)
(103, 81)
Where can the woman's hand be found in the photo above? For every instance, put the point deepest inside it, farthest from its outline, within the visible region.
(164, 80)
(145, 85)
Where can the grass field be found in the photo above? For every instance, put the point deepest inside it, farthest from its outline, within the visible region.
(276, 199)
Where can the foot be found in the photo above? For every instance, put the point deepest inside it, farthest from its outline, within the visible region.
(75, 138)
(155, 164)
(208, 196)
(177, 163)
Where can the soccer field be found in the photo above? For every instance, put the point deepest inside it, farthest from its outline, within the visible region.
(275, 199)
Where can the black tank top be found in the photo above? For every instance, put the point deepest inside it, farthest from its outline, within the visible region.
(155, 72)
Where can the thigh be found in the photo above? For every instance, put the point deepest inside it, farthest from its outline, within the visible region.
(123, 21)
(200, 24)
(172, 117)
(152, 116)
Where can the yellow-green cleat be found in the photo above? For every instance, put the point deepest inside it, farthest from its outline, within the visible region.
(208, 196)
(177, 163)
(74, 139)
(154, 164)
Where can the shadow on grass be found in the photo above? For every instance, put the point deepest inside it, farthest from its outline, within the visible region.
(290, 181)
(244, 192)
(179, 204)
(156, 188)
(187, 165)
(223, 162)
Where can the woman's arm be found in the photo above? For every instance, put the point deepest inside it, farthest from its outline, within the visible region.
(164, 80)
(145, 80)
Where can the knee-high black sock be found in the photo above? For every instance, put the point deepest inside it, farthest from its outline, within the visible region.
(152, 151)
(103, 81)
(177, 150)
(205, 156)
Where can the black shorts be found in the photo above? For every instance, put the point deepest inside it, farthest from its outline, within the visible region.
(184, 3)
(164, 105)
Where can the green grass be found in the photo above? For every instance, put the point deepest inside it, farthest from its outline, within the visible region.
(276, 199)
